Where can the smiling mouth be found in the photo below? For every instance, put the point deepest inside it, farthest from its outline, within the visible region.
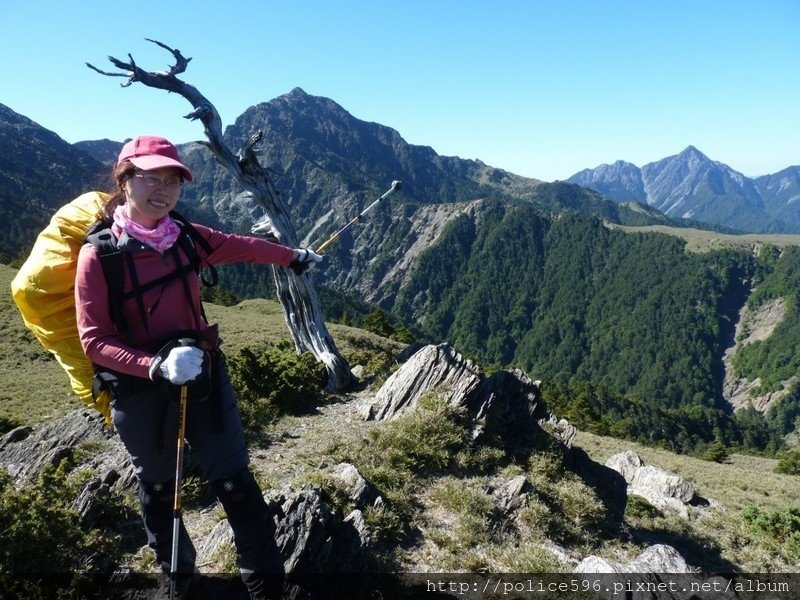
(158, 203)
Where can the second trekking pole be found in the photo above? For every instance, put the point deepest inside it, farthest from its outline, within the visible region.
(176, 505)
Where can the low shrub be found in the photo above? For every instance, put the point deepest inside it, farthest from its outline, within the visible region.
(41, 531)
(275, 382)
(780, 526)
(789, 463)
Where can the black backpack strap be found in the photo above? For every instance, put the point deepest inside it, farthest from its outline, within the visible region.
(188, 245)
(105, 242)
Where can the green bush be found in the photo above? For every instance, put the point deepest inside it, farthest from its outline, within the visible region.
(423, 441)
(41, 532)
(274, 382)
(396, 456)
(781, 527)
(716, 452)
(789, 463)
(378, 323)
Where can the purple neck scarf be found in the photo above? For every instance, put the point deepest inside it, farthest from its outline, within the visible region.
(159, 238)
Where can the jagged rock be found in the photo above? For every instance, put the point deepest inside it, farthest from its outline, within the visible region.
(503, 406)
(513, 494)
(311, 538)
(561, 429)
(90, 503)
(659, 487)
(358, 489)
(626, 464)
(433, 368)
(659, 558)
(24, 452)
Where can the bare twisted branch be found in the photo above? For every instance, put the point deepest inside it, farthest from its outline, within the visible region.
(297, 295)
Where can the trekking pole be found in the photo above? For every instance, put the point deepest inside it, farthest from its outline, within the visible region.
(176, 505)
(396, 186)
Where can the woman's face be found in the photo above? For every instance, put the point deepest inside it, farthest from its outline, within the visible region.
(152, 194)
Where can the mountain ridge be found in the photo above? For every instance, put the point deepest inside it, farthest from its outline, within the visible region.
(691, 185)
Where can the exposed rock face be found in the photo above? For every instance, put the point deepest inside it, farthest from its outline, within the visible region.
(659, 487)
(561, 429)
(25, 450)
(311, 538)
(434, 368)
(753, 326)
(506, 406)
(503, 406)
(656, 559)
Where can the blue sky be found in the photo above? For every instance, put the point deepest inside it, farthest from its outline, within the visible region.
(542, 89)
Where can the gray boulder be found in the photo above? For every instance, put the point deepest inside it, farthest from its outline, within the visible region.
(358, 489)
(659, 558)
(658, 573)
(662, 489)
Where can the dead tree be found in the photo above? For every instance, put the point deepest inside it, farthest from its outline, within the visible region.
(297, 294)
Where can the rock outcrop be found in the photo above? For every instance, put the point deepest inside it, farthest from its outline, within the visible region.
(433, 368)
(753, 326)
(309, 535)
(504, 406)
(25, 450)
(659, 558)
(662, 489)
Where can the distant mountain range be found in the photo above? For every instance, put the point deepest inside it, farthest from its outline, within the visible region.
(692, 186)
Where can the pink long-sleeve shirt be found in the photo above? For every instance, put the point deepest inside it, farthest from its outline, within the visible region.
(167, 306)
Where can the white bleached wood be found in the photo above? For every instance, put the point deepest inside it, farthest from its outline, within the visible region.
(297, 294)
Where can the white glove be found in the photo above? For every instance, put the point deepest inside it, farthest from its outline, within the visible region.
(182, 364)
(305, 260)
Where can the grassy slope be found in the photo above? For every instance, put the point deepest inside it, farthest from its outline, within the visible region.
(700, 240)
(713, 538)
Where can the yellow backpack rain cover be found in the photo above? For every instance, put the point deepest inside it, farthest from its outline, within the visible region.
(44, 292)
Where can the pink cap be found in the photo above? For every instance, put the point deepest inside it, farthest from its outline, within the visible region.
(152, 152)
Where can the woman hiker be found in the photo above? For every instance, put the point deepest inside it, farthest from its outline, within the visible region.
(146, 366)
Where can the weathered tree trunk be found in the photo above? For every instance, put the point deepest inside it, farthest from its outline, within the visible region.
(297, 294)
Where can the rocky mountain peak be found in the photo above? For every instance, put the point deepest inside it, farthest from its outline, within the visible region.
(690, 185)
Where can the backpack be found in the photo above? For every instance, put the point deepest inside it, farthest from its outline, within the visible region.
(44, 287)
